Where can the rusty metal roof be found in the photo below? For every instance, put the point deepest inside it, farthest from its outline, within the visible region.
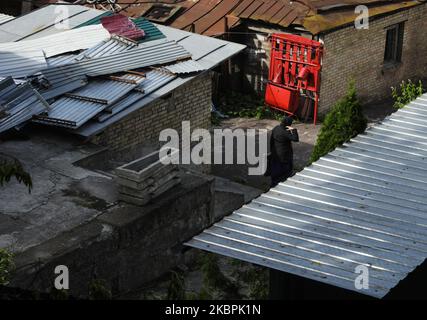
(216, 17)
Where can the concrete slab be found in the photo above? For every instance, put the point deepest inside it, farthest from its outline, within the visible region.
(63, 196)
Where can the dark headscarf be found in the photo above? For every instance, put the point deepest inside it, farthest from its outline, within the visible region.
(287, 121)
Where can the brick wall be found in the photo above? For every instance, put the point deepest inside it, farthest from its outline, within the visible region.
(359, 54)
(190, 102)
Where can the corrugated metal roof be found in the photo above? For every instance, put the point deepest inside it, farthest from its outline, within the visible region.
(122, 26)
(104, 48)
(184, 67)
(155, 79)
(5, 18)
(79, 106)
(363, 204)
(18, 104)
(42, 22)
(113, 46)
(216, 17)
(151, 31)
(22, 63)
(148, 54)
(64, 42)
(208, 52)
(61, 88)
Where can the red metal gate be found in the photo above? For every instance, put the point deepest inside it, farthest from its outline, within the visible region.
(295, 67)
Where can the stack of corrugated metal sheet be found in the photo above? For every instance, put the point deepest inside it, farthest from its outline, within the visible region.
(148, 54)
(155, 79)
(18, 103)
(75, 82)
(207, 52)
(78, 107)
(362, 205)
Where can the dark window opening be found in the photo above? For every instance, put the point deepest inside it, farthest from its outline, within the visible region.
(394, 43)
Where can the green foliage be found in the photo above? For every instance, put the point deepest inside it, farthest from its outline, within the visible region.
(342, 123)
(98, 290)
(60, 295)
(215, 120)
(407, 92)
(212, 275)
(6, 266)
(11, 167)
(176, 290)
(255, 277)
(248, 106)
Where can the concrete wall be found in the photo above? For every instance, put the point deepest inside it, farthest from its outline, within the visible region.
(127, 246)
(190, 102)
(359, 55)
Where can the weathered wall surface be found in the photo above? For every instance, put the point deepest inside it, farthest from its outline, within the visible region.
(359, 55)
(190, 102)
(127, 246)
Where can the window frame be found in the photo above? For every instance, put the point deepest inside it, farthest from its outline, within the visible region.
(394, 43)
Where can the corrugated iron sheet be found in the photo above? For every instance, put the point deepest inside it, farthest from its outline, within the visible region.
(363, 204)
(79, 106)
(21, 63)
(147, 54)
(154, 80)
(208, 52)
(64, 42)
(18, 104)
(216, 17)
(151, 31)
(113, 46)
(42, 22)
(122, 26)
(5, 18)
(185, 67)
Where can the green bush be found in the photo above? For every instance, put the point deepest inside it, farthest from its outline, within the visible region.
(98, 290)
(248, 106)
(406, 93)
(342, 123)
(11, 167)
(6, 266)
(176, 289)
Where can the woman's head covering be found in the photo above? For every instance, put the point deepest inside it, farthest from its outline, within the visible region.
(287, 121)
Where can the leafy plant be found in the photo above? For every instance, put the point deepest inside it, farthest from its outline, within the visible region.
(11, 167)
(407, 92)
(213, 278)
(6, 266)
(342, 123)
(176, 290)
(98, 290)
(248, 106)
(60, 295)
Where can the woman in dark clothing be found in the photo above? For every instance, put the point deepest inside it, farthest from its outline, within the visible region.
(282, 155)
